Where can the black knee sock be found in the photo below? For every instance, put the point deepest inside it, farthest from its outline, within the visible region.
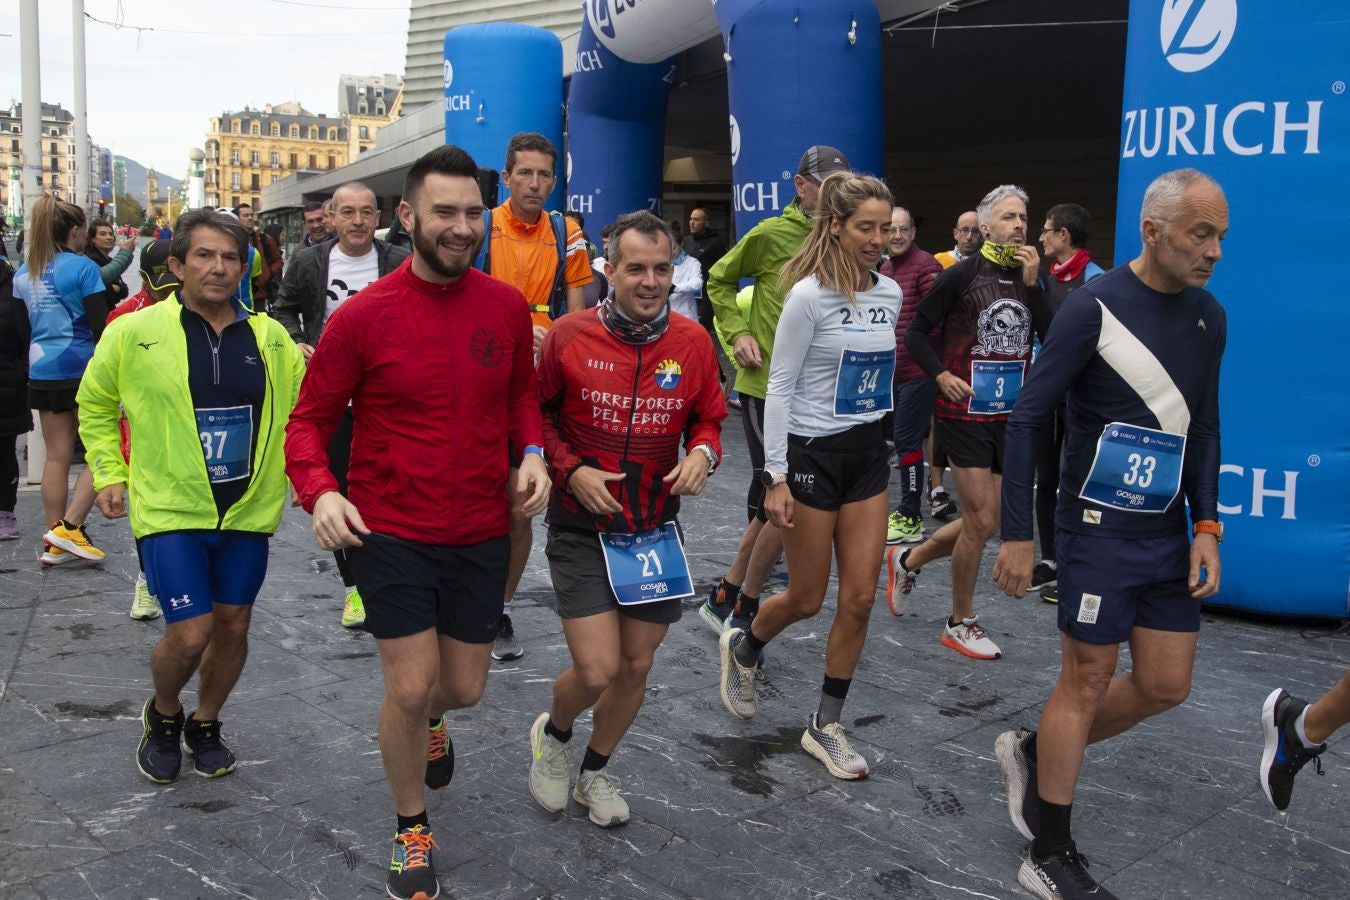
(748, 608)
(1054, 833)
(833, 692)
(593, 762)
(414, 821)
(554, 732)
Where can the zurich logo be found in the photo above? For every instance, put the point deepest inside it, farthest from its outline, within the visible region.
(600, 19)
(735, 141)
(449, 74)
(1195, 33)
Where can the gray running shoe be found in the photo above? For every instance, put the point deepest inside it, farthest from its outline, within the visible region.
(505, 646)
(831, 747)
(550, 767)
(1019, 781)
(1060, 876)
(738, 681)
(595, 791)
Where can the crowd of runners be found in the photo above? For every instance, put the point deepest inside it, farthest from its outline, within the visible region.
(426, 397)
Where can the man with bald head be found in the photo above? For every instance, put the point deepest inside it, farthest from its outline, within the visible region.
(968, 239)
(318, 281)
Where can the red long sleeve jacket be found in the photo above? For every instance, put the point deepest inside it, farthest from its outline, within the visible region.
(440, 378)
(625, 408)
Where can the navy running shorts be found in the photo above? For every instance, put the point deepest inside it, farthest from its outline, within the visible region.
(576, 564)
(827, 472)
(1108, 585)
(408, 587)
(190, 570)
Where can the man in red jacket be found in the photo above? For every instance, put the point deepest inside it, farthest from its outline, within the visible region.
(914, 270)
(437, 361)
(623, 386)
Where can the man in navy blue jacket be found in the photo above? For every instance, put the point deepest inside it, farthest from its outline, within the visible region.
(1137, 351)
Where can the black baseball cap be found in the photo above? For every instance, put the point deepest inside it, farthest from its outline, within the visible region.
(821, 161)
(155, 266)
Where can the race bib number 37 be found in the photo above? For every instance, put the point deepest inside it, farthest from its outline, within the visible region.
(1135, 469)
(647, 566)
(226, 434)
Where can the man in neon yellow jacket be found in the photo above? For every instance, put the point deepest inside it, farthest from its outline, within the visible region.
(207, 387)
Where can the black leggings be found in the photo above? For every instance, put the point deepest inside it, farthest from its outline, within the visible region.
(339, 460)
(9, 472)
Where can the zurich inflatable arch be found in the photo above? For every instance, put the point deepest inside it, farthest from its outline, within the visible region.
(1200, 91)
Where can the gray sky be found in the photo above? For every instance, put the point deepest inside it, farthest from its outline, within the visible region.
(151, 93)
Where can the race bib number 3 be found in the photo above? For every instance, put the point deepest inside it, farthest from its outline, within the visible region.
(996, 386)
(863, 384)
(647, 566)
(1135, 469)
(226, 434)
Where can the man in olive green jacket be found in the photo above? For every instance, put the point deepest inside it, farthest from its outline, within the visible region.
(759, 257)
(207, 387)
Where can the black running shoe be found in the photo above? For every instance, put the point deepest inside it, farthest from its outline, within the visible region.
(1050, 594)
(412, 873)
(1284, 753)
(505, 646)
(1043, 575)
(943, 506)
(1059, 876)
(440, 757)
(210, 757)
(158, 756)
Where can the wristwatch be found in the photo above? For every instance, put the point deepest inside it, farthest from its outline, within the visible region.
(769, 479)
(1208, 526)
(708, 452)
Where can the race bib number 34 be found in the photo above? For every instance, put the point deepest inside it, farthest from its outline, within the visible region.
(226, 434)
(1135, 469)
(647, 566)
(863, 384)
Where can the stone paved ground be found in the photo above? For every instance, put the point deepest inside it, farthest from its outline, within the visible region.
(721, 808)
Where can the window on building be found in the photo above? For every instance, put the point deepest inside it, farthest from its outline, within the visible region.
(332, 134)
(14, 146)
(212, 150)
(275, 179)
(254, 157)
(255, 129)
(313, 161)
(295, 131)
(313, 132)
(295, 160)
(234, 126)
(275, 130)
(361, 107)
(234, 157)
(332, 161)
(365, 133)
(234, 200)
(379, 107)
(276, 159)
(234, 182)
(255, 181)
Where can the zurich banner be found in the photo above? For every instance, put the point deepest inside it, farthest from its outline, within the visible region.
(1253, 93)
(502, 78)
(798, 74)
(616, 117)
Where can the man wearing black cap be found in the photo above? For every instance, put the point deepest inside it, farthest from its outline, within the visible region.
(157, 282)
(759, 256)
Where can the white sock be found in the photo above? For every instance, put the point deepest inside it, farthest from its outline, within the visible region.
(1298, 729)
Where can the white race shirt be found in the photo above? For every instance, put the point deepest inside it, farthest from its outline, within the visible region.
(347, 275)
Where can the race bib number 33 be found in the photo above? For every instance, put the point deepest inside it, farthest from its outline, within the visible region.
(647, 566)
(1135, 469)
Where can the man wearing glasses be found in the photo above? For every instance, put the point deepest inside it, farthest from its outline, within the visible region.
(318, 281)
(968, 239)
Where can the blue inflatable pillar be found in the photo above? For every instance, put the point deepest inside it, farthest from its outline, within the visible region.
(616, 119)
(500, 79)
(1201, 91)
(798, 74)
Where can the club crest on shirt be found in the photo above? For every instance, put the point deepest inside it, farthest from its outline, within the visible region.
(1005, 327)
(487, 348)
(667, 375)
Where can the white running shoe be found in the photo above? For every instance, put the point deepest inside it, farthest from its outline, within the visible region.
(144, 606)
(550, 767)
(595, 791)
(738, 681)
(970, 638)
(831, 747)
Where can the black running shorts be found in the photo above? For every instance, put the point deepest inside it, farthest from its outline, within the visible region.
(972, 445)
(827, 472)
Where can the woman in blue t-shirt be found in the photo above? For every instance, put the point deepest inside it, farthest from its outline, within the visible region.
(67, 308)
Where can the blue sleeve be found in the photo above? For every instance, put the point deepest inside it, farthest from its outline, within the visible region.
(1200, 470)
(1069, 345)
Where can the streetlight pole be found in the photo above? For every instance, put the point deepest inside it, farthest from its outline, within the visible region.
(82, 149)
(31, 79)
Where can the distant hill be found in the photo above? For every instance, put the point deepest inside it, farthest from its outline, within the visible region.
(136, 180)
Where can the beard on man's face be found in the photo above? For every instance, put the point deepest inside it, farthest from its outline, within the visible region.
(428, 249)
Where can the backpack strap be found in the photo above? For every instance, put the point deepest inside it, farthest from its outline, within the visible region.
(558, 299)
(484, 257)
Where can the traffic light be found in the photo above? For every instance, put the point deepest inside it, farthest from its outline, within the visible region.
(102, 207)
